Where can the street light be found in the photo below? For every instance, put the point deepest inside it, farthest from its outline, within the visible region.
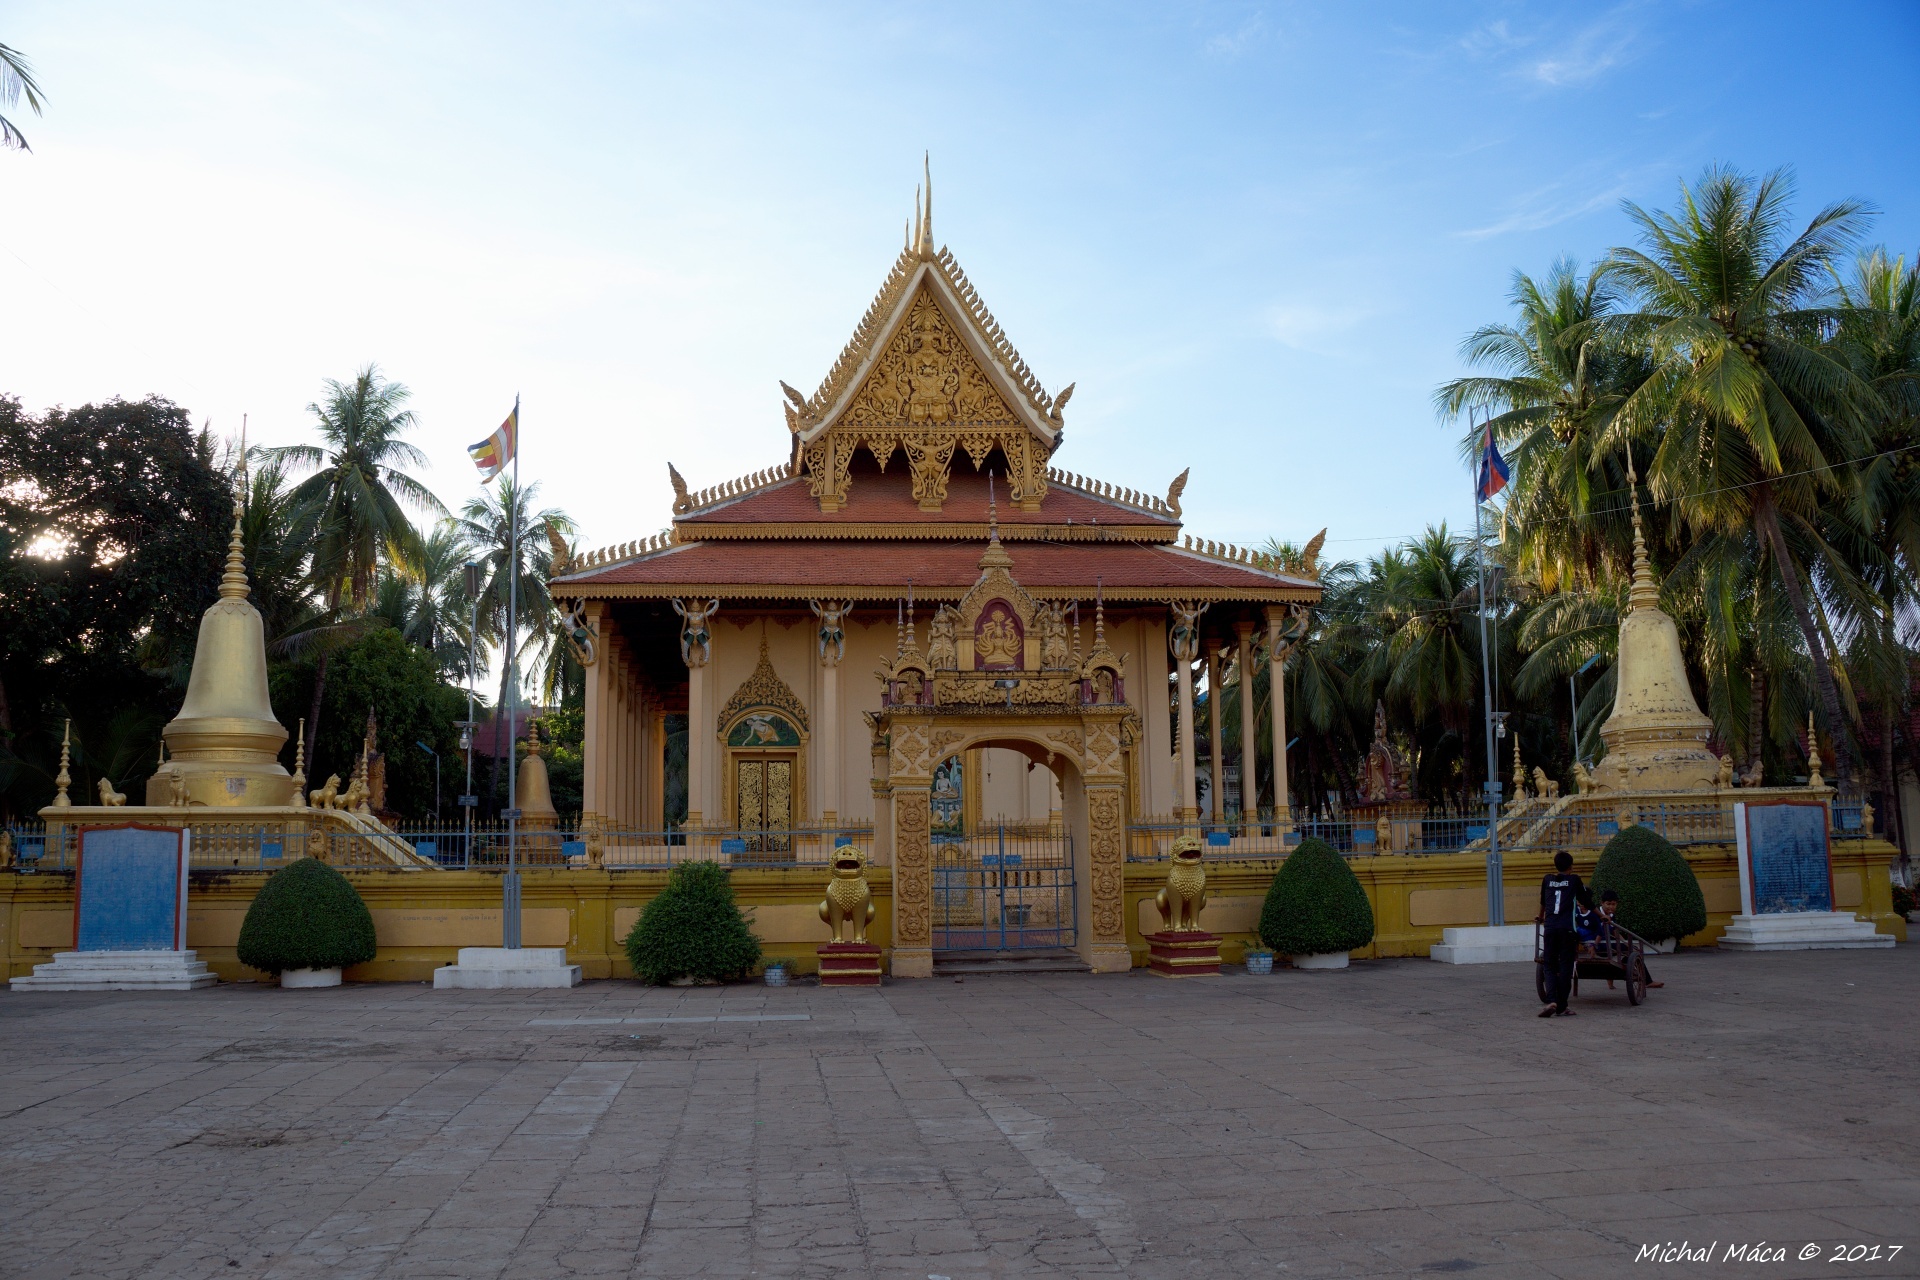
(470, 801)
(436, 779)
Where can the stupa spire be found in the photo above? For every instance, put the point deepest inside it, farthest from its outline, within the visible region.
(1645, 593)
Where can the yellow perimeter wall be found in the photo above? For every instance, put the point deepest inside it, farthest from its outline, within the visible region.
(422, 919)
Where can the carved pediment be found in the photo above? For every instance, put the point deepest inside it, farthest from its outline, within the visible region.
(764, 690)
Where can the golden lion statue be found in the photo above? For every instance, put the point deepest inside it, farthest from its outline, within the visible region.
(327, 796)
(849, 903)
(1185, 894)
(110, 797)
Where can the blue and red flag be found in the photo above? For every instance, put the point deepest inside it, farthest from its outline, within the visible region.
(1493, 468)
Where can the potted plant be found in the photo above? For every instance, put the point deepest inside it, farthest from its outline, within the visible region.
(692, 932)
(777, 973)
(305, 925)
(1316, 912)
(1259, 960)
(1660, 898)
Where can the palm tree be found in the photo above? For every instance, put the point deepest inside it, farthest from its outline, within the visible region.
(1559, 379)
(1755, 420)
(485, 526)
(16, 80)
(357, 492)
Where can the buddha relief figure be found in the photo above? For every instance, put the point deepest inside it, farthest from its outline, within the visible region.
(1054, 653)
(942, 653)
(996, 639)
(911, 685)
(1103, 686)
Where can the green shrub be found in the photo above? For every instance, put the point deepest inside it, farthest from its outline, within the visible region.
(306, 916)
(1315, 904)
(693, 929)
(1659, 897)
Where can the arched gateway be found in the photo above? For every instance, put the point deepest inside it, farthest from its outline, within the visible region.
(737, 627)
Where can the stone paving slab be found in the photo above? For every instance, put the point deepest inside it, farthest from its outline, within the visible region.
(1397, 1118)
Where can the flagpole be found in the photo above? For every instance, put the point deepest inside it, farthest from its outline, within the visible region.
(1496, 897)
(510, 888)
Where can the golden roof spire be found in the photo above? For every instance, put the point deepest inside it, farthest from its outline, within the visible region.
(233, 583)
(926, 225)
(1645, 593)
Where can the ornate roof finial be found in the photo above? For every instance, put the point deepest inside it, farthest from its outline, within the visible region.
(899, 629)
(911, 643)
(63, 779)
(1099, 616)
(1076, 632)
(1813, 756)
(919, 225)
(1645, 593)
(926, 225)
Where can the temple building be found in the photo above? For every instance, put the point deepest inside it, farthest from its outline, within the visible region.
(914, 624)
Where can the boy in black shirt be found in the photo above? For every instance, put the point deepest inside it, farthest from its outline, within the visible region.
(1558, 894)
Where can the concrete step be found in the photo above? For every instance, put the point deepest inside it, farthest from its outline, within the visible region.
(987, 961)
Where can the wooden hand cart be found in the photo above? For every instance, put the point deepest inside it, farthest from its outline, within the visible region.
(1616, 952)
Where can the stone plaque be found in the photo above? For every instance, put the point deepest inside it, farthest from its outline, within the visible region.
(1784, 858)
(131, 886)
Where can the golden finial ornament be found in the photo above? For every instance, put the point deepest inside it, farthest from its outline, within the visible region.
(1519, 771)
(1813, 756)
(300, 767)
(63, 779)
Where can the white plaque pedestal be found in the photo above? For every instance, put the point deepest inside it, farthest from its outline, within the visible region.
(119, 971)
(1487, 944)
(1801, 931)
(491, 968)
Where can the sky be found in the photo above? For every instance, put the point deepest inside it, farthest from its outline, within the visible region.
(1253, 235)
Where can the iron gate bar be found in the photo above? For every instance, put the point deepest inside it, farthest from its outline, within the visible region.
(1011, 899)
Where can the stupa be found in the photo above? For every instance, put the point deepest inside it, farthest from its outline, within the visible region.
(1656, 737)
(225, 743)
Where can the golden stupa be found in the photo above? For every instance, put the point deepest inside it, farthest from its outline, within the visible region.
(1656, 737)
(225, 743)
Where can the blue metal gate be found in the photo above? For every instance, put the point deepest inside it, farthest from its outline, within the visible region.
(1004, 889)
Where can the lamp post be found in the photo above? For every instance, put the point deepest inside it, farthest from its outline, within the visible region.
(470, 572)
(436, 779)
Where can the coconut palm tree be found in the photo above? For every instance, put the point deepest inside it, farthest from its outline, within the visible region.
(16, 81)
(1558, 378)
(484, 525)
(357, 491)
(1755, 420)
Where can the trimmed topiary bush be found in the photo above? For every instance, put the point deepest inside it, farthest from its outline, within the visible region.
(1315, 904)
(692, 930)
(1659, 896)
(306, 916)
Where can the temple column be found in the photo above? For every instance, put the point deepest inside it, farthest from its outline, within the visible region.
(1183, 638)
(696, 649)
(1216, 762)
(1277, 685)
(593, 791)
(831, 648)
(1249, 752)
(909, 774)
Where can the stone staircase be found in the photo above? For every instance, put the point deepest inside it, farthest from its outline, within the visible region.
(956, 964)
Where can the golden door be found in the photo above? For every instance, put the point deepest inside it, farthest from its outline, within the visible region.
(763, 798)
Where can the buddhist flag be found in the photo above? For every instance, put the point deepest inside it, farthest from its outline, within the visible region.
(1493, 468)
(494, 453)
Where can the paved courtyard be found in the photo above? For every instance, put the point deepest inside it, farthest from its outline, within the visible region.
(1399, 1118)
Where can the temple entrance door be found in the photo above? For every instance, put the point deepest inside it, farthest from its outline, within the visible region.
(1004, 888)
(763, 796)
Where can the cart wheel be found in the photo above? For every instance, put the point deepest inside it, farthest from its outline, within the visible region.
(1636, 980)
(1540, 982)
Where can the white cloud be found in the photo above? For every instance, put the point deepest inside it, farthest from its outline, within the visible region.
(1310, 326)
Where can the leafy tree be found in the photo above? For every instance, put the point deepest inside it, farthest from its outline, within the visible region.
(114, 521)
(400, 684)
(16, 81)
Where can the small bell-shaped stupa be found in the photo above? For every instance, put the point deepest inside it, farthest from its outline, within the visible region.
(1656, 737)
(225, 743)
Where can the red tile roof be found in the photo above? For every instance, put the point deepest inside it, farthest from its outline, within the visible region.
(797, 568)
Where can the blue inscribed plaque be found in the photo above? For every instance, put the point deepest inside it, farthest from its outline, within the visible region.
(1219, 839)
(132, 889)
(1787, 858)
(733, 846)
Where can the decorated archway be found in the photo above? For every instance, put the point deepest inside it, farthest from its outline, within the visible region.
(998, 672)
